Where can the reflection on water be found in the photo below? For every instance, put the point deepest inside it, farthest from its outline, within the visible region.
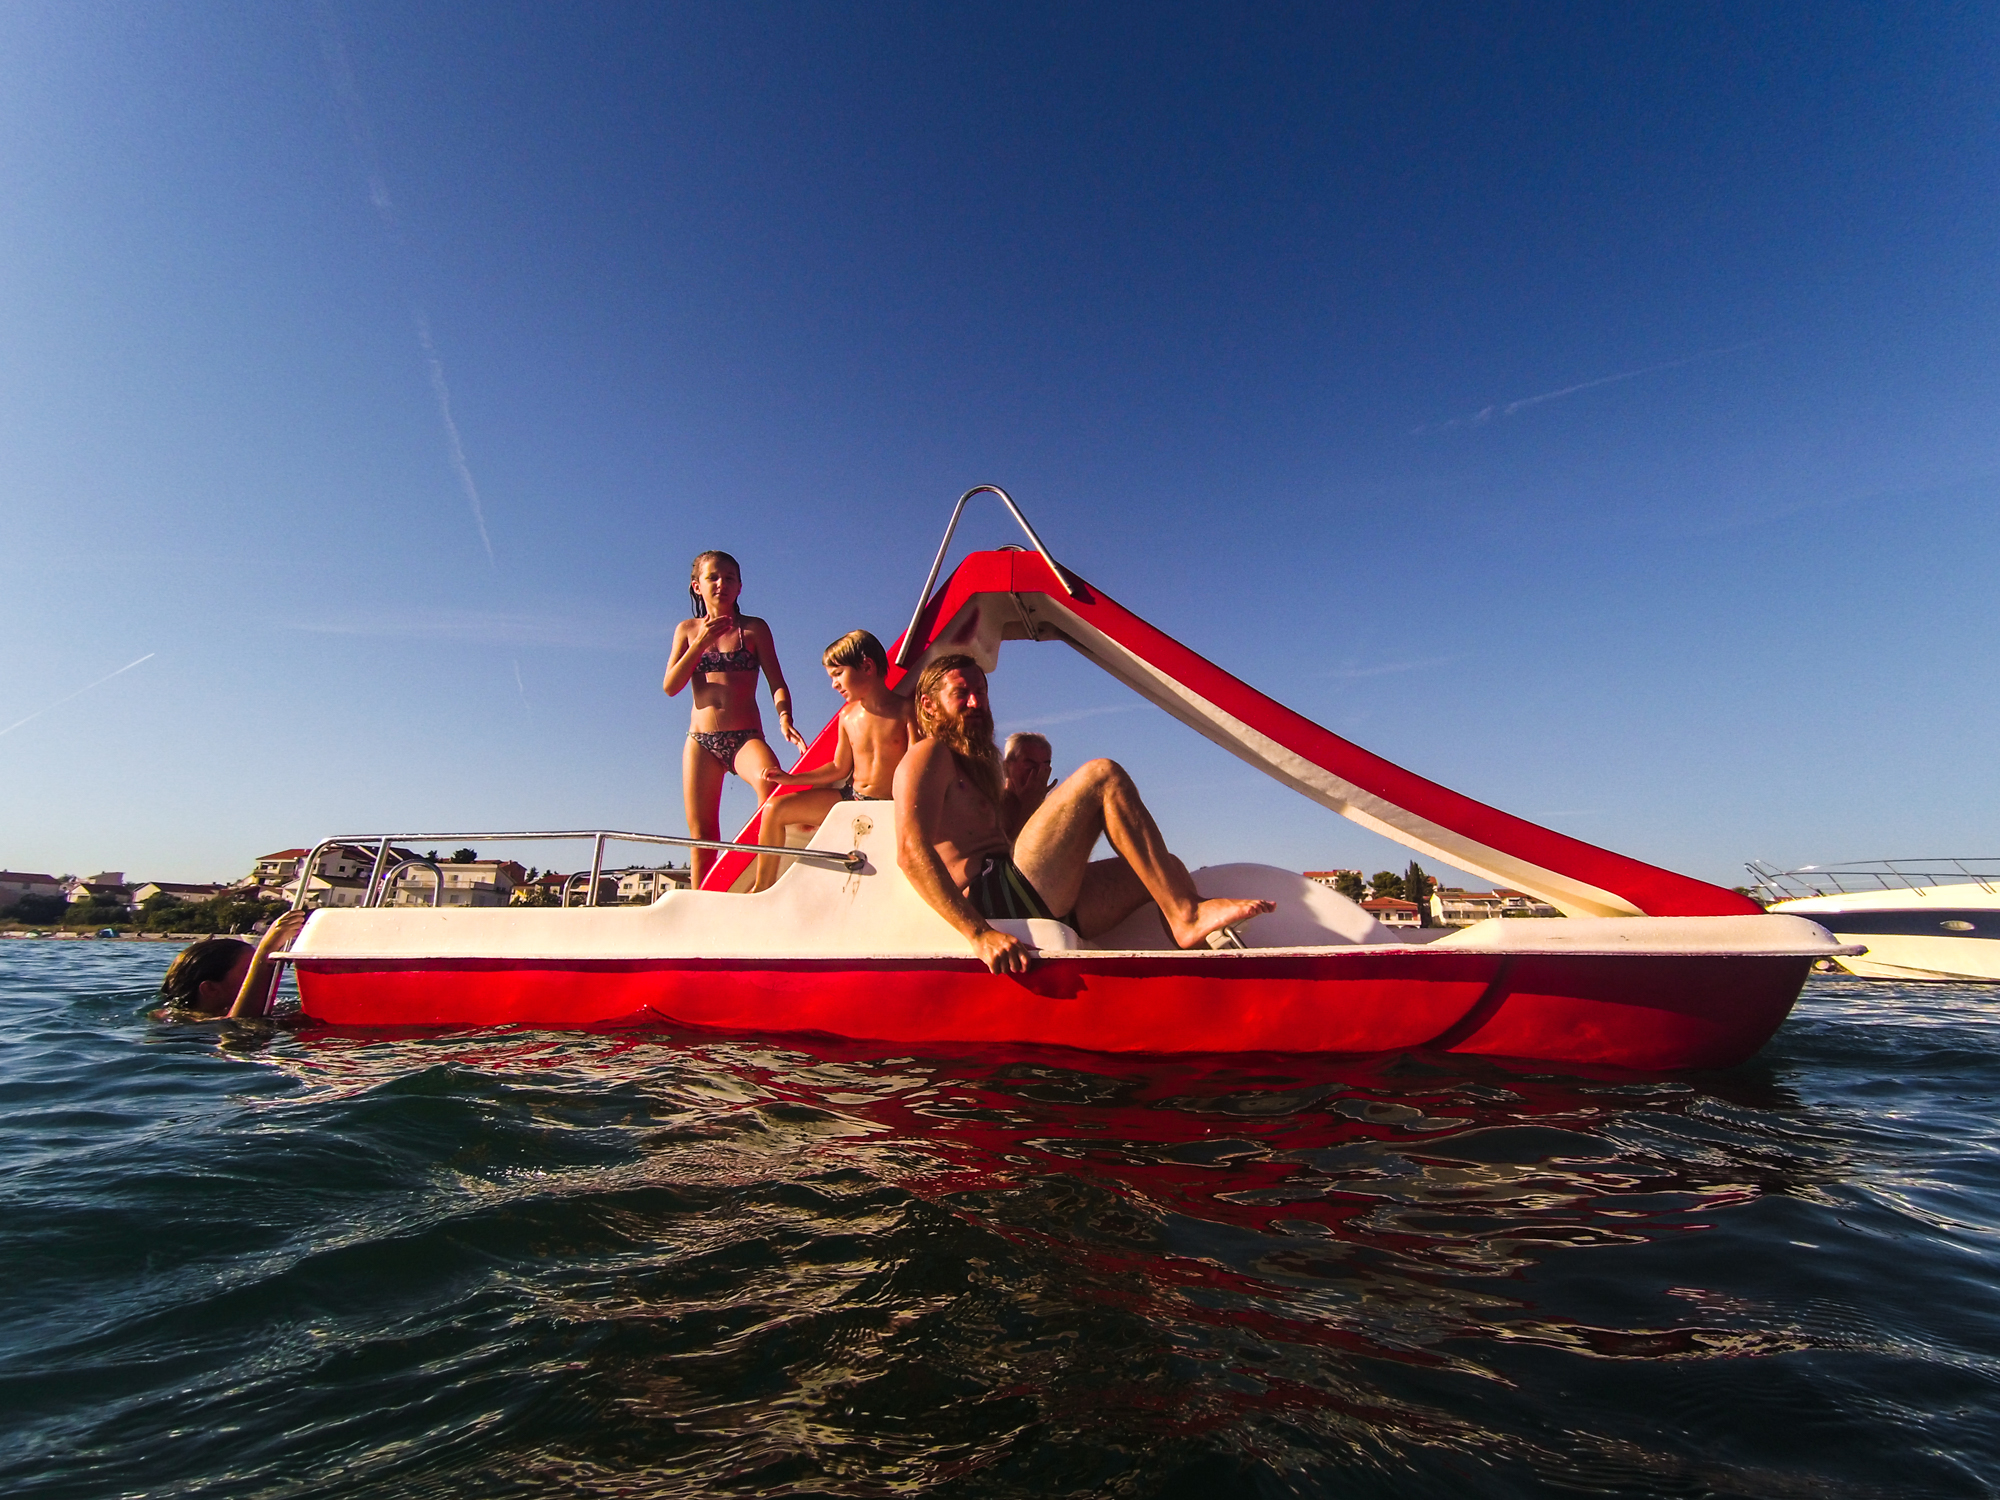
(517, 1263)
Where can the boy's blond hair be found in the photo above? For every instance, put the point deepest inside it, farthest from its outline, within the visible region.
(854, 648)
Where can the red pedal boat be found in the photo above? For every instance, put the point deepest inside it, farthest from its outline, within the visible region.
(1647, 968)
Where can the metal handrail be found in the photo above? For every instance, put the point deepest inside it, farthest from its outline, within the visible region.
(311, 862)
(437, 891)
(1854, 877)
(306, 873)
(853, 861)
(1063, 575)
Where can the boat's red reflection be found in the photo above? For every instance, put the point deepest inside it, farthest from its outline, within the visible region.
(1387, 1207)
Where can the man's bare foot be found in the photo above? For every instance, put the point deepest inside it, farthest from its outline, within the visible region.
(1211, 916)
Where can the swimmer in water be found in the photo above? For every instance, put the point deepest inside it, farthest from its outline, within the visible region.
(219, 976)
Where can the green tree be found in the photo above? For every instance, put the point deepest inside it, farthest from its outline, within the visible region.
(1417, 888)
(464, 856)
(1386, 883)
(38, 910)
(94, 913)
(1348, 883)
(162, 912)
(224, 913)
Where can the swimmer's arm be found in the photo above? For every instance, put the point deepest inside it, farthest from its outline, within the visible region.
(691, 638)
(834, 773)
(254, 999)
(781, 696)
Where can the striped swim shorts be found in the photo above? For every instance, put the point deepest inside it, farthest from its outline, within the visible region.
(1000, 891)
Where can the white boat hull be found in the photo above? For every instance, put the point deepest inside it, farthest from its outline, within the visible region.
(1939, 933)
(1961, 960)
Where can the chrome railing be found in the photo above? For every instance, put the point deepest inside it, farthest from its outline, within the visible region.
(383, 872)
(437, 890)
(1063, 575)
(1856, 877)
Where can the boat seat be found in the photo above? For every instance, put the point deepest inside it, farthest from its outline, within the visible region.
(1309, 915)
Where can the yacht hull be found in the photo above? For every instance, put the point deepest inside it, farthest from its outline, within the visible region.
(1929, 959)
(1948, 933)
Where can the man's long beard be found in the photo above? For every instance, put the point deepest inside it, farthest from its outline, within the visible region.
(970, 740)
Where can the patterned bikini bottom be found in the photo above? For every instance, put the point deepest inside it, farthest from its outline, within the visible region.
(724, 743)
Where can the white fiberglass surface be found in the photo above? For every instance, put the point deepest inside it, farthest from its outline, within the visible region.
(820, 911)
(1972, 896)
(813, 910)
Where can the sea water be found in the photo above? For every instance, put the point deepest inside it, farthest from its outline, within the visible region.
(249, 1262)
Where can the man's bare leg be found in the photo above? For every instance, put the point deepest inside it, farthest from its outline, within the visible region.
(1053, 851)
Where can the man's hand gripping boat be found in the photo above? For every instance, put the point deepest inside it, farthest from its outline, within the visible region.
(1649, 969)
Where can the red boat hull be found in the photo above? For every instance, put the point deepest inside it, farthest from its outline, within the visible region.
(1638, 1011)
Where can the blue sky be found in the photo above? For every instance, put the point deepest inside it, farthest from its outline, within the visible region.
(1591, 408)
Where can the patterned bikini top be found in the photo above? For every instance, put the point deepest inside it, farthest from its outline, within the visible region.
(742, 659)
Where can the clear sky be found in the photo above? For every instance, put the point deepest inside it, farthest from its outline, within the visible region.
(1590, 407)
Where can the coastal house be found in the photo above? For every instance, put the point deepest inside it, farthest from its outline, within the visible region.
(544, 890)
(648, 885)
(107, 888)
(476, 882)
(14, 884)
(179, 891)
(340, 876)
(1454, 907)
(274, 869)
(547, 889)
(326, 890)
(353, 861)
(1331, 878)
(1393, 911)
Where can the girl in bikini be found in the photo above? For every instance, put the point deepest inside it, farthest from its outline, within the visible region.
(727, 734)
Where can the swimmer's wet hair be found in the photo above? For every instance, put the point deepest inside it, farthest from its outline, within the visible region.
(855, 647)
(699, 604)
(199, 962)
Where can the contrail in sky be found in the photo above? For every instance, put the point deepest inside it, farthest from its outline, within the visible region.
(78, 693)
(1482, 417)
(458, 463)
(334, 50)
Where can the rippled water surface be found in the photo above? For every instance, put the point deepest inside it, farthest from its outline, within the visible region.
(504, 1263)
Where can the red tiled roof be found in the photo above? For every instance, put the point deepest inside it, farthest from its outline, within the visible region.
(17, 877)
(1389, 903)
(283, 854)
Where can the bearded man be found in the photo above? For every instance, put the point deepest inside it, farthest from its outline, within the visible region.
(952, 844)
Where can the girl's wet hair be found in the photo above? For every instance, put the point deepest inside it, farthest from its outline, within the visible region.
(700, 605)
(854, 648)
(199, 962)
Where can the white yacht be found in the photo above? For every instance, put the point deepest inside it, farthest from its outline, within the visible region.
(1918, 918)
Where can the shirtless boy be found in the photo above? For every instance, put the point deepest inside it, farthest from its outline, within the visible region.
(952, 847)
(874, 734)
